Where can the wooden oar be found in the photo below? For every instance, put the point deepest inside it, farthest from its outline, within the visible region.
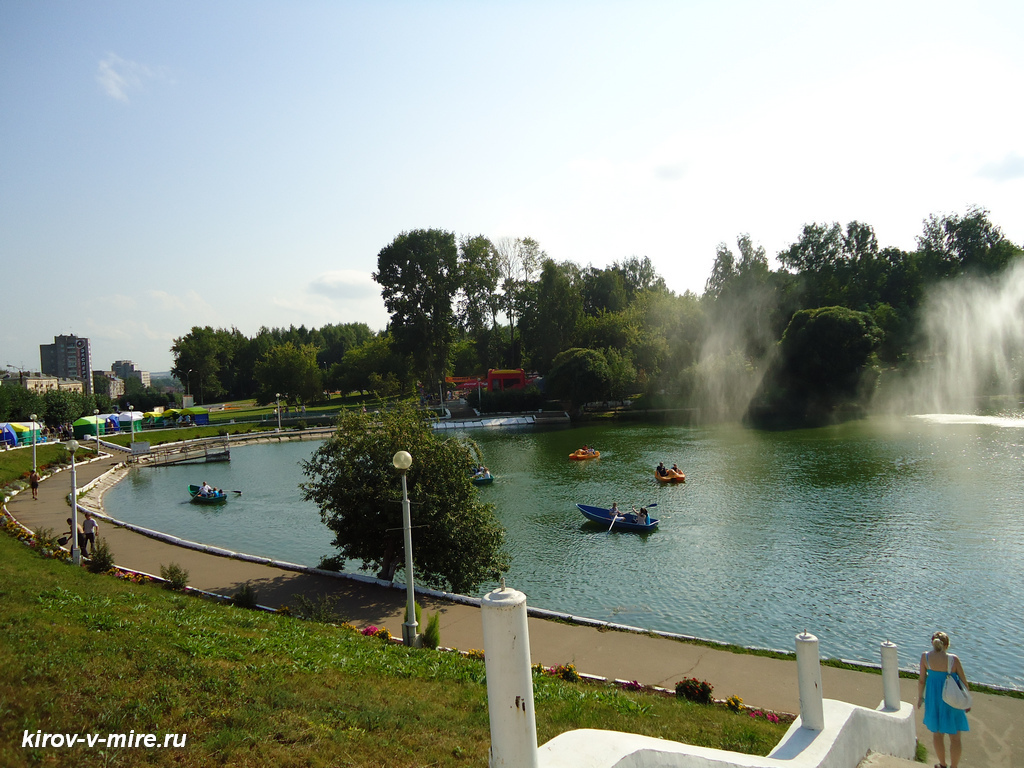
(614, 518)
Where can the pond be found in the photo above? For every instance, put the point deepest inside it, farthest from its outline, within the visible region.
(873, 530)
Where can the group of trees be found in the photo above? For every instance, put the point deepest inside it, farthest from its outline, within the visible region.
(461, 305)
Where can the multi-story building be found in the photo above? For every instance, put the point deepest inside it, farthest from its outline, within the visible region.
(114, 384)
(33, 382)
(126, 369)
(69, 357)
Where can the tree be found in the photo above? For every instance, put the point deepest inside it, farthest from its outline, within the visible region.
(518, 260)
(62, 407)
(970, 243)
(457, 541)
(375, 356)
(550, 318)
(419, 277)
(197, 362)
(579, 376)
(291, 371)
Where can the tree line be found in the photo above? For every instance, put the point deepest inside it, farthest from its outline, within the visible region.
(461, 305)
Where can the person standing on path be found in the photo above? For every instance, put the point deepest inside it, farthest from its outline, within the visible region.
(33, 481)
(90, 528)
(940, 718)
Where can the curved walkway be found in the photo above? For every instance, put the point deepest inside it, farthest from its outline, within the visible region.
(996, 739)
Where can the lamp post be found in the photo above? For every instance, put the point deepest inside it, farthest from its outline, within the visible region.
(277, 397)
(76, 555)
(96, 426)
(188, 380)
(34, 417)
(402, 461)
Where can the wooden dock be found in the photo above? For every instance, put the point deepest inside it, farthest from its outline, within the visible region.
(195, 451)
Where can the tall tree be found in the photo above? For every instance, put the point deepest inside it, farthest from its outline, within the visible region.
(419, 277)
(290, 371)
(457, 541)
(518, 260)
(551, 316)
(197, 362)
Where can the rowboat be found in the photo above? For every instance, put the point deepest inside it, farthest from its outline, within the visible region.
(581, 455)
(670, 476)
(625, 521)
(483, 480)
(218, 497)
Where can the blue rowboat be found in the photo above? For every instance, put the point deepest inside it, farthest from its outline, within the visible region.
(483, 480)
(626, 521)
(214, 498)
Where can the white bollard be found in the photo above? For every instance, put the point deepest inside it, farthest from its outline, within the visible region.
(509, 680)
(890, 677)
(808, 669)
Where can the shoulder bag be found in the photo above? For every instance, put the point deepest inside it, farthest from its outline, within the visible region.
(954, 692)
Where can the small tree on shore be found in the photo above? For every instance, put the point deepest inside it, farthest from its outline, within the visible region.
(457, 541)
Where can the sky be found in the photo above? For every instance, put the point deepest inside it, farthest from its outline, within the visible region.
(241, 164)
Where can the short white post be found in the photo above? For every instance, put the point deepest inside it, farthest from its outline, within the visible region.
(509, 680)
(890, 677)
(808, 669)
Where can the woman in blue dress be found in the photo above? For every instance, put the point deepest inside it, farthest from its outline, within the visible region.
(940, 718)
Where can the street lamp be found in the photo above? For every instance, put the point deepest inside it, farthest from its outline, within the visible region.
(34, 417)
(277, 397)
(76, 555)
(188, 379)
(96, 426)
(402, 461)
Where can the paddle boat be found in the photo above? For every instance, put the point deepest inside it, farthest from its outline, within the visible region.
(625, 521)
(581, 454)
(217, 497)
(670, 476)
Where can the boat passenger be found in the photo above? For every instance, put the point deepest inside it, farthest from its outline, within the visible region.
(661, 469)
(643, 518)
(675, 468)
(205, 489)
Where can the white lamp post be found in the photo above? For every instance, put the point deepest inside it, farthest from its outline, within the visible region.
(277, 397)
(96, 426)
(402, 461)
(188, 379)
(34, 417)
(76, 555)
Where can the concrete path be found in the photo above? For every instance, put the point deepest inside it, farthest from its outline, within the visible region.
(996, 739)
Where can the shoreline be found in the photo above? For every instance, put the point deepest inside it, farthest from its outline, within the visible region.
(116, 475)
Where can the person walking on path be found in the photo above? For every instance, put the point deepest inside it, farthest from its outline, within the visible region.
(33, 481)
(940, 718)
(90, 528)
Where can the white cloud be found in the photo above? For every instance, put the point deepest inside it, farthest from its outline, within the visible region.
(119, 77)
(1009, 168)
(344, 284)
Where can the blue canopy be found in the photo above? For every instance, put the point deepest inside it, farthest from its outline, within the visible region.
(7, 435)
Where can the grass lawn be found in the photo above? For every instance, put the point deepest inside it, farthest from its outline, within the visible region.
(88, 654)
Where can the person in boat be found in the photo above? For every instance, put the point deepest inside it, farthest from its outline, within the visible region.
(615, 513)
(205, 489)
(661, 469)
(642, 517)
(484, 472)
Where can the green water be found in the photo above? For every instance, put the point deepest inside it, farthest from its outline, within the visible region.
(884, 529)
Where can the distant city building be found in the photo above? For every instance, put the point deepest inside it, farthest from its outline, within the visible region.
(33, 382)
(114, 385)
(126, 370)
(69, 357)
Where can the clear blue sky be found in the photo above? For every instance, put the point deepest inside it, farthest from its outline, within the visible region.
(170, 164)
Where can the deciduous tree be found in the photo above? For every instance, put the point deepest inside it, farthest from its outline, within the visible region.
(457, 541)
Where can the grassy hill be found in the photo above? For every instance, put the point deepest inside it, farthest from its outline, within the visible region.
(87, 654)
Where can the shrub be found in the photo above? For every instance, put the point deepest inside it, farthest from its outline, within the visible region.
(432, 634)
(246, 597)
(176, 576)
(419, 612)
(321, 609)
(102, 559)
(693, 689)
(735, 703)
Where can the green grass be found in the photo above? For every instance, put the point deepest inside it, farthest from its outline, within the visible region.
(17, 464)
(81, 653)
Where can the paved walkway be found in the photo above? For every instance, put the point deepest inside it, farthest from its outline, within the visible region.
(996, 739)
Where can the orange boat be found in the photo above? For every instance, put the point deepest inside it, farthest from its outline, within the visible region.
(670, 476)
(581, 455)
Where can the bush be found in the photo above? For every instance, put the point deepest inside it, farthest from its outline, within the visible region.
(321, 609)
(694, 690)
(567, 672)
(735, 703)
(102, 559)
(432, 634)
(419, 612)
(246, 596)
(175, 575)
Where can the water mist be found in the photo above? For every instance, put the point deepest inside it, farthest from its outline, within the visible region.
(972, 346)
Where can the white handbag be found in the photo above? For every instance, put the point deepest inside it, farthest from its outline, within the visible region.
(954, 692)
